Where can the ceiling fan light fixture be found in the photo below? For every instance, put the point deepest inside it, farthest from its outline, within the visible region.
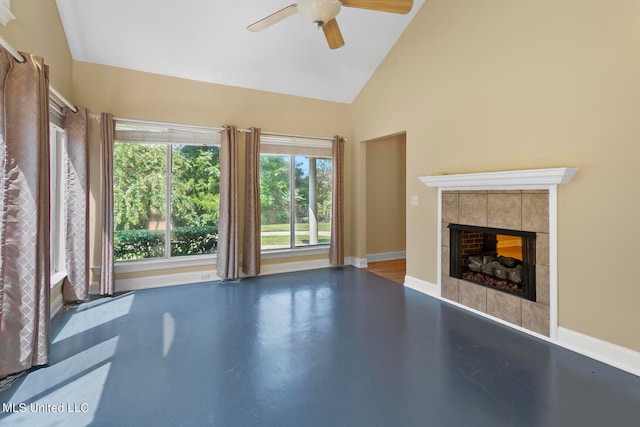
(319, 11)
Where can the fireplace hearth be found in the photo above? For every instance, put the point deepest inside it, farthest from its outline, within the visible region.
(497, 258)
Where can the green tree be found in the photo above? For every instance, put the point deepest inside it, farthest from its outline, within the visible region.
(324, 189)
(302, 189)
(274, 189)
(139, 185)
(196, 185)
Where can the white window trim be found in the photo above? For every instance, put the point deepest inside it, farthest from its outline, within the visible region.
(156, 264)
(167, 261)
(319, 249)
(151, 264)
(58, 267)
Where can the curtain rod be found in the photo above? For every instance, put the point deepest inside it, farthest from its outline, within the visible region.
(4, 43)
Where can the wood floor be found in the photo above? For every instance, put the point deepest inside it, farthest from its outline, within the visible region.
(393, 270)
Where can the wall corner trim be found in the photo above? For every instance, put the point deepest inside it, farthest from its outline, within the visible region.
(423, 286)
(356, 262)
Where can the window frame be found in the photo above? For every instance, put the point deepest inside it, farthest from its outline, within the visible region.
(292, 147)
(167, 261)
(57, 202)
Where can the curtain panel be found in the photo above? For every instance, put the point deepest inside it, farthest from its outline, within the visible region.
(228, 229)
(336, 250)
(108, 131)
(76, 284)
(251, 246)
(24, 213)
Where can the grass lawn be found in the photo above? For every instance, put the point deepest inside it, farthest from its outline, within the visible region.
(284, 240)
(322, 226)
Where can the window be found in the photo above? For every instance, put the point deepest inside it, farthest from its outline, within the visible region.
(166, 191)
(295, 192)
(56, 199)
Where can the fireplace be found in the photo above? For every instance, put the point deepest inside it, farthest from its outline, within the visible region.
(497, 258)
(524, 201)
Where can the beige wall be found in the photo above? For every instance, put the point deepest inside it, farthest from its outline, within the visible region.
(144, 96)
(386, 194)
(38, 30)
(497, 85)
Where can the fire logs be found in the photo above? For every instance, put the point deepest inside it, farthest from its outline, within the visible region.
(497, 266)
(495, 271)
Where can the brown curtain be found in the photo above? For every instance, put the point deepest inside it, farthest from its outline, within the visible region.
(76, 284)
(336, 250)
(228, 239)
(108, 131)
(24, 213)
(251, 246)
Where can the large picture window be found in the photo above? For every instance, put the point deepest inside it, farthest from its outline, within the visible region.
(295, 192)
(166, 191)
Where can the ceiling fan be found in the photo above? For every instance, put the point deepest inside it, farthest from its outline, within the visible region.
(323, 13)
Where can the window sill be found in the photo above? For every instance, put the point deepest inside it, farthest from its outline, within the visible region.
(164, 263)
(288, 253)
(57, 278)
(201, 260)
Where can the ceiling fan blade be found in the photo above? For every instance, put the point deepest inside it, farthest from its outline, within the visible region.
(333, 34)
(394, 6)
(273, 18)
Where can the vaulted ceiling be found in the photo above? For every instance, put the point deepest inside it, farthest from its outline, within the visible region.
(207, 40)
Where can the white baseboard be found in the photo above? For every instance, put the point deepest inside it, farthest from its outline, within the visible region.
(356, 262)
(386, 256)
(620, 357)
(423, 286)
(611, 354)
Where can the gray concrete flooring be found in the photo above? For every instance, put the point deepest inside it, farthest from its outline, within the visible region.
(331, 347)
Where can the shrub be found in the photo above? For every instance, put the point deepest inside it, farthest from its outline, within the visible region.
(194, 240)
(138, 244)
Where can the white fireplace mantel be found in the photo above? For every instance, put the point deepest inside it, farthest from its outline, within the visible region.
(527, 179)
(502, 180)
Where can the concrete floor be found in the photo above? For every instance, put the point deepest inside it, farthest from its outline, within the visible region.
(328, 347)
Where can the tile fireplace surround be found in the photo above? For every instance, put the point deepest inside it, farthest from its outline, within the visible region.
(522, 210)
(524, 200)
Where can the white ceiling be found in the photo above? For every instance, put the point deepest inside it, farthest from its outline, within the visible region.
(207, 40)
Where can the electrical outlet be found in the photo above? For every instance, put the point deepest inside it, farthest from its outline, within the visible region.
(414, 201)
(205, 276)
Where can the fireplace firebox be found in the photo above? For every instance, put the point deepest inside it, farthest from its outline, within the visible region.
(497, 258)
